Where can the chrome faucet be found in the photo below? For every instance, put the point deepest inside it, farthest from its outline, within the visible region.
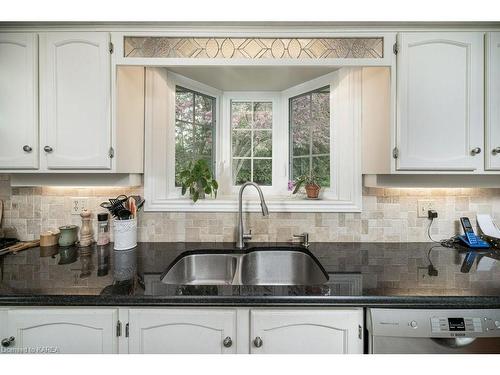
(242, 236)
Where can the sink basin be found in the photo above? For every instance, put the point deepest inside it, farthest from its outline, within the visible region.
(281, 268)
(257, 266)
(202, 269)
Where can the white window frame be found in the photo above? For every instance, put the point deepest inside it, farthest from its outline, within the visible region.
(278, 186)
(344, 194)
(330, 80)
(174, 80)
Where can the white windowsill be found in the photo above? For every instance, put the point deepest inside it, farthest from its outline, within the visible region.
(251, 204)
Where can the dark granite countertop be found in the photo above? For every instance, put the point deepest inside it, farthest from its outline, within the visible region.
(361, 274)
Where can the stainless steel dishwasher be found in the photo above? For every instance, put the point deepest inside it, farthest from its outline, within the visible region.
(408, 331)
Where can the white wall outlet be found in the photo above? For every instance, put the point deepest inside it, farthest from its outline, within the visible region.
(78, 205)
(423, 207)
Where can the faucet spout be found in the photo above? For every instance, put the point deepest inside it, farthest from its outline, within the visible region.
(241, 235)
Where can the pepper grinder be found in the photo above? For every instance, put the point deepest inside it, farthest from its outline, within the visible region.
(86, 235)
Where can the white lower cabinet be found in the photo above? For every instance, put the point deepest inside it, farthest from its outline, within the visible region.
(265, 331)
(182, 331)
(47, 330)
(306, 331)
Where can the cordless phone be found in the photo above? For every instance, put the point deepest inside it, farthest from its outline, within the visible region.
(470, 238)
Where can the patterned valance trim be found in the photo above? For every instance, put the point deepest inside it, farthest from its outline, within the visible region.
(254, 48)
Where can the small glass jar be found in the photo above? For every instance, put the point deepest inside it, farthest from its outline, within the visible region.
(102, 229)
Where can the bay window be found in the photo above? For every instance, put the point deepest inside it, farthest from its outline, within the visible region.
(269, 138)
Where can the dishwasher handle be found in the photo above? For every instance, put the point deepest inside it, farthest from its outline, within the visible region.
(454, 342)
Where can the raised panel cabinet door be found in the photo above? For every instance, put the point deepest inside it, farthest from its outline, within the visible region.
(306, 331)
(492, 144)
(182, 331)
(18, 101)
(75, 331)
(75, 100)
(440, 101)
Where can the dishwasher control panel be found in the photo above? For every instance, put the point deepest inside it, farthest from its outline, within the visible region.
(459, 324)
(438, 323)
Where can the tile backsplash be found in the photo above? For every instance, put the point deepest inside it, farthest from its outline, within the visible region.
(389, 215)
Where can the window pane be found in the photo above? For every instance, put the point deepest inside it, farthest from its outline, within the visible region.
(242, 143)
(310, 134)
(183, 147)
(202, 143)
(301, 110)
(251, 124)
(263, 171)
(203, 110)
(262, 143)
(241, 115)
(184, 105)
(262, 115)
(320, 106)
(300, 166)
(241, 171)
(320, 117)
(320, 139)
(321, 169)
(301, 135)
(194, 129)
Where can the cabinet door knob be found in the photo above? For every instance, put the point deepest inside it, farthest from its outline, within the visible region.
(495, 151)
(27, 148)
(227, 342)
(47, 149)
(476, 150)
(257, 342)
(8, 341)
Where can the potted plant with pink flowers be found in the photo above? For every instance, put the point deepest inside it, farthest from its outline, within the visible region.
(310, 183)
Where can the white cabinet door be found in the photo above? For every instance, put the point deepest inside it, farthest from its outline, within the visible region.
(18, 101)
(74, 331)
(440, 101)
(182, 331)
(75, 100)
(492, 144)
(306, 331)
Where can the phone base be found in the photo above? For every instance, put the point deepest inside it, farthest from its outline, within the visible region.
(479, 245)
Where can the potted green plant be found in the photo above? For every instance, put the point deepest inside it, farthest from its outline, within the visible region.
(197, 179)
(310, 183)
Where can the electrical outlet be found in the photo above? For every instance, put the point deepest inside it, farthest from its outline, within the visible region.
(423, 207)
(78, 205)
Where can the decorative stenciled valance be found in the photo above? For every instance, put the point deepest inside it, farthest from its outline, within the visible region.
(254, 48)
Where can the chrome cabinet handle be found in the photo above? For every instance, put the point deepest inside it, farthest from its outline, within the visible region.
(227, 342)
(495, 151)
(8, 341)
(48, 149)
(257, 342)
(27, 148)
(475, 151)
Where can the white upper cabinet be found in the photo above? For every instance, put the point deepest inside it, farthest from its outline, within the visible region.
(183, 331)
(75, 111)
(440, 101)
(66, 331)
(492, 144)
(18, 101)
(306, 332)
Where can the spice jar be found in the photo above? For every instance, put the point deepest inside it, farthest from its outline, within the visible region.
(102, 228)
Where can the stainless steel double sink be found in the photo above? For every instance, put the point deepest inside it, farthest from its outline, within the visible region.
(255, 266)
